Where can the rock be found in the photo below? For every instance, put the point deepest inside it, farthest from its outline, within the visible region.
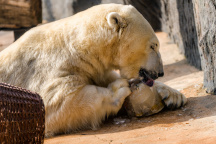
(179, 21)
(206, 31)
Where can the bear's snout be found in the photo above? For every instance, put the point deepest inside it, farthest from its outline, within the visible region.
(161, 74)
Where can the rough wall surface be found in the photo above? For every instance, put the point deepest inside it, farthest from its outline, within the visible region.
(178, 20)
(205, 19)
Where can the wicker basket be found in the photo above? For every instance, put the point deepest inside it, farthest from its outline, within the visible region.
(22, 116)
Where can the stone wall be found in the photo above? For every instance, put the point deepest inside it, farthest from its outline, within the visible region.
(178, 21)
(205, 19)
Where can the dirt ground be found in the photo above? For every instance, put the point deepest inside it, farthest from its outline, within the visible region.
(194, 123)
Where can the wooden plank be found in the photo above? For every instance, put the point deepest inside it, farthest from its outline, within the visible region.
(20, 13)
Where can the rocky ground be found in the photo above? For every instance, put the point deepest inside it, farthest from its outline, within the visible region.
(194, 123)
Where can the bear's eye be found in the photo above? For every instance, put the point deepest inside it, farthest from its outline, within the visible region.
(152, 47)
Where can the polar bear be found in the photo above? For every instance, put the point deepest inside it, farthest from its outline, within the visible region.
(70, 63)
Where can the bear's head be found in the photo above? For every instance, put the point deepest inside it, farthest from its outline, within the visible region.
(138, 49)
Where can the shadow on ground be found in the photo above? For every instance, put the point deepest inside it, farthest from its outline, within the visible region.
(177, 69)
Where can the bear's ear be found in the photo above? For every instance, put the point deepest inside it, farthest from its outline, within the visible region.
(115, 20)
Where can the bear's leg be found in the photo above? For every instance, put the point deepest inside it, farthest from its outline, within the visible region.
(86, 108)
(171, 97)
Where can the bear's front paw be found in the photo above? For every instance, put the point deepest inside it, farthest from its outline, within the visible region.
(172, 98)
(120, 90)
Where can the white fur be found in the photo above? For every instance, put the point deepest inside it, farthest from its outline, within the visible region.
(69, 63)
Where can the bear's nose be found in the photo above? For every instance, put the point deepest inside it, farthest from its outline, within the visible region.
(160, 74)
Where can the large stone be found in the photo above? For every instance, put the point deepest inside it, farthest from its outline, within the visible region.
(179, 21)
(205, 19)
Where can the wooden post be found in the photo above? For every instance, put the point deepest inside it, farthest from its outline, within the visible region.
(20, 13)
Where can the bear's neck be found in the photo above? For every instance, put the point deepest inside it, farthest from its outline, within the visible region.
(97, 52)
